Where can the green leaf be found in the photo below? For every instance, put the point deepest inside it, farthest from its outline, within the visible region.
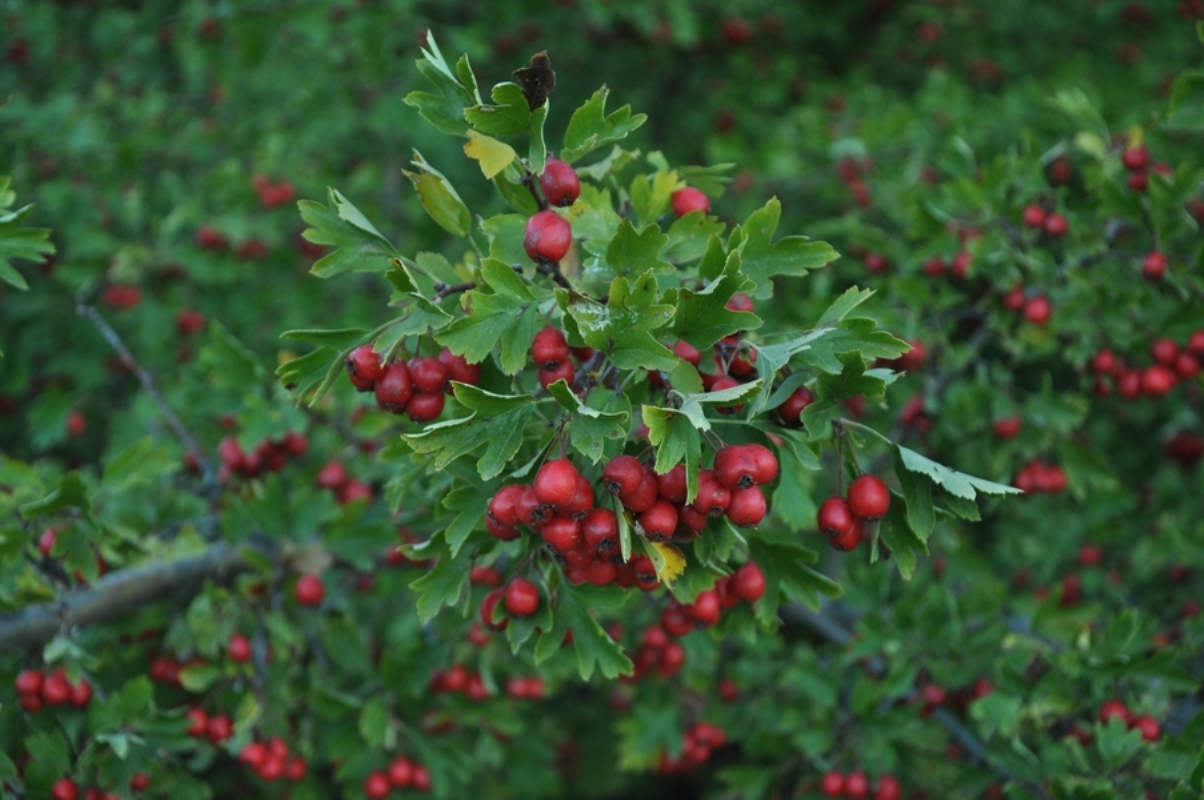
(650, 196)
(357, 245)
(374, 721)
(852, 335)
(19, 242)
(142, 461)
(590, 128)
(447, 582)
(956, 483)
(622, 327)
(630, 253)
(341, 339)
(839, 309)
(470, 503)
(48, 760)
(509, 114)
(70, 493)
(537, 153)
(787, 573)
(444, 110)
(590, 426)
(702, 317)
(594, 647)
(832, 390)
(791, 255)
(691, 404)
(508, 315)
(917, 493)
(439, 197)
(690, 235)
(676, 439)
(199, 678)
(497, 425)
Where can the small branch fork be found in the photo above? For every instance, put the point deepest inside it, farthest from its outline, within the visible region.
(148, 383)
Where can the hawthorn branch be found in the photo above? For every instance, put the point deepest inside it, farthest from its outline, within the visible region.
(827, 627)
(148, 383)
(442, 290)
(117, 594)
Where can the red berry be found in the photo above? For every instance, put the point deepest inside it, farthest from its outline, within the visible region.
(1149, 728)
(672, 485)
(1034, 216)
(427, 374)
(309, 590)
(548, 237)
(1128, 383)
(835, 517)
(64, 789)
(849, 539)
(219, 729)
(394, 388)
(332, 476)
(1056, 225)
(1153, 266)
(140, 782)
(934, 266)
(1104, 361)
(1158, 380)
(425, 406)
(422, 778)
(747, 507)
(1196, 343)
(521, 598)
(556, 482)
(363, 367)
(933, 694)
(376, 786)
(253, 755)
(239, 648)
(601, 573)
(739, 302)
(722, 384)
(856, 785)
(29, 682)
(56, 689)
(676, 621)
(889, 788)
(748, 583)
(659, 521)
(690, 199)
(1008, 427)
(623, 475)
(1037, 310)
(549, 348)
(687, 352)
(458, 368)
(645, 494)
(560, 183)
(530, 510)
(401, 772)
(295, 769)
(832, 784)
(561, 533)
(354, 491)
(1136, 158)
(600, 530)
(713, 497)
(706, 608)
(869, 497)
(791, 410)
(564, 371)
(189, 322)
(1187, 366)
(1139, 181)
(735, 466)
(81, 693)
(272, 768)
(1164, 351)
(1014, 299)
(767, 464)
(30, 702)
(487, 605)
(503, 507)
(1114, 708)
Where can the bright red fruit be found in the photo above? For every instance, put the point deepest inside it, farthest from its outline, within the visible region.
(198, 722)
(331, 476)
(560, 183)
(1037, 310)
(549, 348)
(690, 199)
(56, 689)
(835, 517)
(562, 533)
(81, 693)
(253, 755)
(1153, 266)
(687, 352)
(748, 583)
(363, 367)
(458, 368)
(1008, 427)
(672, 485)
(645, 494)
(309, 590)
(1136, 158)
(503, 506)
(747, 507)
(1158, 380)
(849, 539)
(427, 374)
(219, 729)
(791, 410)
(29, 682)
(1056, 225)
(1034, 216)
(140, 782)
(659, 522)
(1114, 708)
(1104, 361)
(425, 406)
(600, 530)
(856, 785)
(889, 788)
(1150, 730)
(487, 605)
(521, 598)
(556, 482)
(64, 789)
(713, 497)
(623, 475)
(1187, 366)
(376, 786)
(706, 608)
(548, 237)
(832, 784)
(869, 497)
(401, 772)
(564, 371)
(394, 388)
(239, 648)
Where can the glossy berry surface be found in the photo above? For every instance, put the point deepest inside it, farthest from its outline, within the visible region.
(869, 497)
(560, 183)
(309, 590)
(394, 388)
(547, 237)
(521, 598)
(690, 199)
(363, 367)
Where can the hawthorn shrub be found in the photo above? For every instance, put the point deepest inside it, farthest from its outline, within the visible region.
(544, 513)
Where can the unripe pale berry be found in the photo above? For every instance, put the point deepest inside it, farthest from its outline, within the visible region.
(548, 237)
(560, 183)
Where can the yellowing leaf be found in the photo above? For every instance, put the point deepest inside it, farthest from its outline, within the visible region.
(671, 564)
(493, 155)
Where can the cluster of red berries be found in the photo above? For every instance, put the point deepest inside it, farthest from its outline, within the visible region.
(1037, 309)
(1137, 162)
(416, 388)
(1038, 477)
(270, 455)
(656, 652)
(66, 789)
(857, 785)
(936, 266)
(842, 518)
(1050, 223)
(210, 238)
(216, 729)
(548, 235)
(747, 584)
(698, 743)
(1171, 364)
(402, 773)
(271, 194)
(458, 680)
(48, 541)
(1151, 731)
(36, 690)
(333, 476)
(121, 298)
(559, 506)
(852, 171)
(551, 354)
(271, 761)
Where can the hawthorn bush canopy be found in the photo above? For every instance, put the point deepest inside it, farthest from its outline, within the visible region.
(676, 399)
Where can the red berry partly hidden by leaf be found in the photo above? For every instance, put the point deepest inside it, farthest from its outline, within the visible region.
(1114, 708)
(690, 199)
(1150, 730)
(849, 539)
(309, 590)
(140, 782)
(458, 368)
(869, 497)
(363, 367)
(560, 183)
(564, 371)
(548, 237)
(487, 605)
(1008, 427)
(791, 410)
(425, 406)
(521, 598)
(394, 388)
(81, 693)
(889, 788)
